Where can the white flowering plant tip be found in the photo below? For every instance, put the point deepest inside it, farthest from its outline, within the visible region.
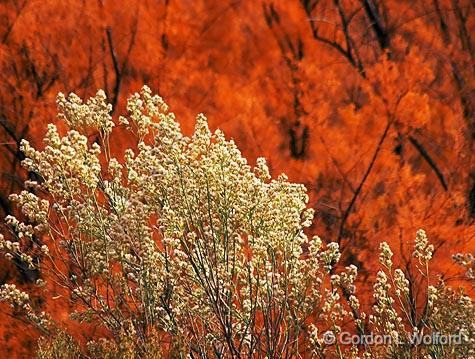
(467, 261)
(405, 317)
(183, 249)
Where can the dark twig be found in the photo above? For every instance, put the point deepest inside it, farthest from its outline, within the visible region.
(430, 161)
(362, 182)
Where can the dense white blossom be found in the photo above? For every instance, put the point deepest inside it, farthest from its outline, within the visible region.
(183, 236)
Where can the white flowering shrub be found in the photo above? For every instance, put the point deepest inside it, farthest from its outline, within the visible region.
(182, 249)
(441, 324)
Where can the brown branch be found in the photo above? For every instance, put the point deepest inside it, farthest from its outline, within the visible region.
(119, 70)
(464, 33)
(442, 23)
(333, 43)
(115, 63)
(430, 161)
(465, 101)
(350, 48)
(335, 163)
(12, 25)
(471, 201)
(380, 31)
(467, 106)
(362, 182)
(292, 53)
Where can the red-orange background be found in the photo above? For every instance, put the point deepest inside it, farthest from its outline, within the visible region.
(369, 103)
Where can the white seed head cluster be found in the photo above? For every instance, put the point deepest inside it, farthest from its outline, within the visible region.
(395, 312)
(67, 165)
(422, 249)
(467, 261)
(95, 113)
(401, 283)
(385, 257)
(144, 109)
(32, 207)
(20, 302)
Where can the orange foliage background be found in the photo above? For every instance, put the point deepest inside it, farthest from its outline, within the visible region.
(369, 103)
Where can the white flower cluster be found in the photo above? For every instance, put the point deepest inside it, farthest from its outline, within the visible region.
(67, 166)
(466, 260)
(385, 257)
(422, 249)
(144, 110)
(11, 294)
(384, 314)
(396, 312)
(20, 301)
(184, 237)
(32, 207)
(95, 113)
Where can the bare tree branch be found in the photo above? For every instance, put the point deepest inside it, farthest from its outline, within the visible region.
(362, 182)
(380, 31)
(347, 53)
(12, 24)
(115, 63)
(120, 69)
(430, 161)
